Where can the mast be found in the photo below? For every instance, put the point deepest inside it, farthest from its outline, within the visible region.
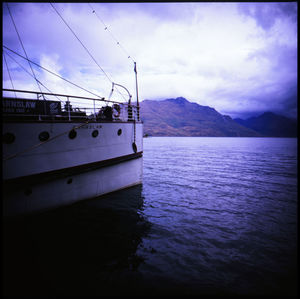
(137, 93)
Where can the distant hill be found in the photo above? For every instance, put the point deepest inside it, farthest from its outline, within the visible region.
(179, 117)
(271, 125)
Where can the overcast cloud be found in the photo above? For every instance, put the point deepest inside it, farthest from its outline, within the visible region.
(239, 58)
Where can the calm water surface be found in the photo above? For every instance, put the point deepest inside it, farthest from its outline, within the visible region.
(213, 216)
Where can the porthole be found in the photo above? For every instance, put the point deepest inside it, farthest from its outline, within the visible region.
(95, 133)
(134, 147)
(69, 181)
(72, 134)
(44, 136)
(8, 138)
(119, 132)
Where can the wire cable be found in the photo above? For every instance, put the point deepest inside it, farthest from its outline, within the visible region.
(81, 43)
(12, 84)
(43, 142)
(52, 72)
(119, 44)
(84, 46)
(113, 37)
(23, 47)
(29, 74)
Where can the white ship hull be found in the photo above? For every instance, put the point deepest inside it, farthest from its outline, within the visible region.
(61, 148)
(59, 192)
(42, 175)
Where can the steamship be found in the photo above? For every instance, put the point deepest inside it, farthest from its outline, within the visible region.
(60, 148)
(56, 154)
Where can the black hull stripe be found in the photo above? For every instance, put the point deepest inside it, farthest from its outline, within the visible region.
(69, 171)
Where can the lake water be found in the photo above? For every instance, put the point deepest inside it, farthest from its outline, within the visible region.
(213, 216)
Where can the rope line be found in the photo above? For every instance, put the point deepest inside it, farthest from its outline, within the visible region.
(41, 143)
(113, 37)
(119, 44)
(52, 72)
(30, 75)
(106, 75)
(12, 84)
(23, 47)
(81, 42)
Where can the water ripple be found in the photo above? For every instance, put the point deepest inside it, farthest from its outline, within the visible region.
(224, 210)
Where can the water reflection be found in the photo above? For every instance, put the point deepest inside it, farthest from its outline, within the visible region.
(85, 249)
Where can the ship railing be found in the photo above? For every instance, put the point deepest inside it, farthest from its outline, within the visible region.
(70, 107)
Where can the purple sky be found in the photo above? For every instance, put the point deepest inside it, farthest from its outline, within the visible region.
(239, 58)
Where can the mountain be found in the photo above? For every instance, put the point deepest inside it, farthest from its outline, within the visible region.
(271, 125)
(179, 117)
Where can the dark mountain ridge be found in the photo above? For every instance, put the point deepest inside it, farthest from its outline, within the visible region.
(271, 125)
(179, 117)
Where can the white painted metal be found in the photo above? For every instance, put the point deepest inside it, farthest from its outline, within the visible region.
(62, 152)
(71, 189)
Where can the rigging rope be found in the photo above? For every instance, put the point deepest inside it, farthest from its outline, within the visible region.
(113, 37)
(43, 142)
(23, 47)
(29, 75)
(81, 42)
(52, 72)
(12, 84)
(106, 75)
(119, 44)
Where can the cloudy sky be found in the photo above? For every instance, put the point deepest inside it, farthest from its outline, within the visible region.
(239, 58)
